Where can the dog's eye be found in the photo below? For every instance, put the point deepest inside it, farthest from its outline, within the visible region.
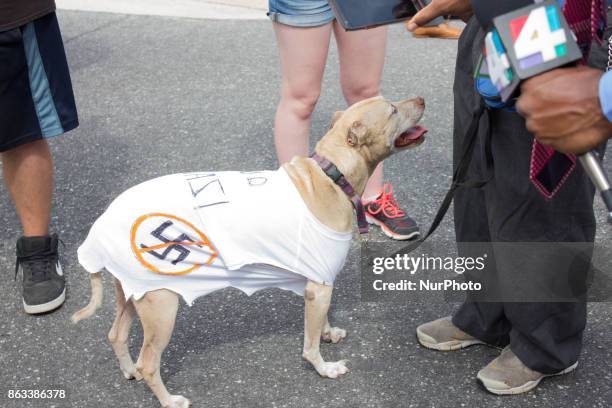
(394, 111)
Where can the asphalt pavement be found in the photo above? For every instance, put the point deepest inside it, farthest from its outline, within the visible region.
(159, 95)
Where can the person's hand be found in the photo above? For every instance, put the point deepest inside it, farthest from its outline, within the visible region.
(437, 8)
(562, 109)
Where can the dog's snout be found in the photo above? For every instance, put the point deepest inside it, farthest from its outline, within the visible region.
(418, 103)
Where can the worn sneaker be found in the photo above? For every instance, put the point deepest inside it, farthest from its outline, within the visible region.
(385, 212)
(443, 335)
(43, 279)
(508, 375)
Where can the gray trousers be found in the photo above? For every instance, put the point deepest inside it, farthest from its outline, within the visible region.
(547, 337)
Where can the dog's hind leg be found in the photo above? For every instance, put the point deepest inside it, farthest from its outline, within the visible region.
(157, 311)
(316, 304)
(120, 331)
(332, 334)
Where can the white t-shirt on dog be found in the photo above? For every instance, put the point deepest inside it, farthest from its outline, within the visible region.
(197, 233)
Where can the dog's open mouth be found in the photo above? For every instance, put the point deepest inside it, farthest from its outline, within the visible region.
(414, 135)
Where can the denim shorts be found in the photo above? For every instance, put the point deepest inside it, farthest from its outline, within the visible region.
(300, 13)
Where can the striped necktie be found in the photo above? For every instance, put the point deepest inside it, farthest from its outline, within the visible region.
(549, 168)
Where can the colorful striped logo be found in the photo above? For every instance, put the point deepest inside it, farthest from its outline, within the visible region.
(538, 37)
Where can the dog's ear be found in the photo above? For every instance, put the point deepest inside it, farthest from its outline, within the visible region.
(356, 133)
(335, 118)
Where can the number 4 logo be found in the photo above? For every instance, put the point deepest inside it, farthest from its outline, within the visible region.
(538, 37)
(497, 61)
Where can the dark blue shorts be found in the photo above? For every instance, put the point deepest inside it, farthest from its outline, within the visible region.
(36, 99)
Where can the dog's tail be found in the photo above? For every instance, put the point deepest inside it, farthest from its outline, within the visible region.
(96, 299)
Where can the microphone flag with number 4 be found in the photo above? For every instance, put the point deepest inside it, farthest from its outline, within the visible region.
(528, 42)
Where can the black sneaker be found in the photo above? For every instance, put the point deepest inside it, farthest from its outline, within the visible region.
(385, 212)
(43, 279)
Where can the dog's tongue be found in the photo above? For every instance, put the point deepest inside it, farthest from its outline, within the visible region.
(415, 133)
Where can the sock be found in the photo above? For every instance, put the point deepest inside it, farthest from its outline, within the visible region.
(371, 198)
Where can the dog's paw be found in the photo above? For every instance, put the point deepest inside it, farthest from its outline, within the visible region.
(178, 401)
(131, 374)
(333, 335)
(333, 369)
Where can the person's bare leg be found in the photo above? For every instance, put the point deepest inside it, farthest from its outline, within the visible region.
(303, 53)
(362, 57)
(28, 175)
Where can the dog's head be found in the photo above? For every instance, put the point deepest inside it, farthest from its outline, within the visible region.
(376, 128)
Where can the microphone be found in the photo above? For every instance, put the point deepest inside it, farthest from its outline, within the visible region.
(593, 168)
(527, 42)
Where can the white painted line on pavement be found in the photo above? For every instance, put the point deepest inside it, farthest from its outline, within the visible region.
(170, 8)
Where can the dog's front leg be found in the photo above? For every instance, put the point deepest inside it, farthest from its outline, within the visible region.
(316, 304)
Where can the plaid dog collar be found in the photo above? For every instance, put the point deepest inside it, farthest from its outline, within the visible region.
(337, 177)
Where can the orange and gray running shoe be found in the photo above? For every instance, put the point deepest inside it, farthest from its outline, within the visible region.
(385, 212)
